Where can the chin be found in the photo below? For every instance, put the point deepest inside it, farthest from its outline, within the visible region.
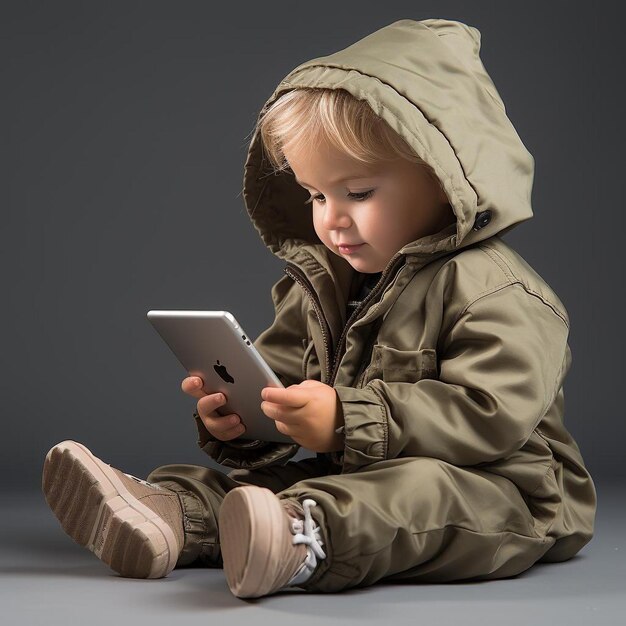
(364, 268)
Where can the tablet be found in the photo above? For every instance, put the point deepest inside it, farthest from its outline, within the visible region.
(214, 346)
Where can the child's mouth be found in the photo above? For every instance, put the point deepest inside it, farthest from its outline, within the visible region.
(349, 249)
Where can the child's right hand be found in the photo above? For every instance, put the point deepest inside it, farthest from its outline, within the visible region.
(222, 427)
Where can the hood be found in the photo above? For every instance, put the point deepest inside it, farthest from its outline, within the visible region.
(426, 80)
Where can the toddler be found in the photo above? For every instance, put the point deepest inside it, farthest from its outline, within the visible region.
(423, 358)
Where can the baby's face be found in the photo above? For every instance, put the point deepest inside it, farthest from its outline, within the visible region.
(381, 207)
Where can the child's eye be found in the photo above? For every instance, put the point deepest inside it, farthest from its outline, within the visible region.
(359, 197)
(363, 195)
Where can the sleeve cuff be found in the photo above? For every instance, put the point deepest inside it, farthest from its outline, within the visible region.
(365, 428)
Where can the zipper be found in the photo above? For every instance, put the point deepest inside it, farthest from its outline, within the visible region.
(390, 269)
(298, 275)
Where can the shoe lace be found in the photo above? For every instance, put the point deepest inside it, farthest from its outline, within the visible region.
(304, 532)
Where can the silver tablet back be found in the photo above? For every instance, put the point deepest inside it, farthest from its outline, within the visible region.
(212, 345)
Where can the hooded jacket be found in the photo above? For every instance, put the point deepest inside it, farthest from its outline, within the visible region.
(460, 351)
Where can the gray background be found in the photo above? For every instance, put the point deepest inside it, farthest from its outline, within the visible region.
(125, 128)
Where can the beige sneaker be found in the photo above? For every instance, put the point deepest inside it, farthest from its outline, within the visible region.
(133, 526)
(267, 543)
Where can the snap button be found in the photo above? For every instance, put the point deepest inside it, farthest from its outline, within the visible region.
(482, 219)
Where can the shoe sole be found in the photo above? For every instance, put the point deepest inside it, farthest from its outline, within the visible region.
(98, 512)
(248, 541)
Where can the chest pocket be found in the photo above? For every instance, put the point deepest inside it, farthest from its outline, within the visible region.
(404, 366)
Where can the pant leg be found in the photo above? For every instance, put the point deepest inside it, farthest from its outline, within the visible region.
(202, 489)
(418, 519)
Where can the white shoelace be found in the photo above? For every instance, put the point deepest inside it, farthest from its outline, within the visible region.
(305, 532)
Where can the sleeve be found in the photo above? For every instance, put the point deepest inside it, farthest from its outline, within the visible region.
(282, 346)
(500, 369)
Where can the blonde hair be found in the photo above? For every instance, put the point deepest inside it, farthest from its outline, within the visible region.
(308, 116)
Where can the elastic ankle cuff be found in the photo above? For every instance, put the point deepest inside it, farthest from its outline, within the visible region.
(193, 524)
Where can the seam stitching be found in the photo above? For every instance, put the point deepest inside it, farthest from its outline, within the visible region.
(502, 262)
(383, 422)
(502, 286)
(478, 532)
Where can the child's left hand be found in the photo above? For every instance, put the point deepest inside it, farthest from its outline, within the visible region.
(309, 413)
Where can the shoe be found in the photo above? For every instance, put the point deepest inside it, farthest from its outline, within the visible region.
(267, 543)
(133, 526)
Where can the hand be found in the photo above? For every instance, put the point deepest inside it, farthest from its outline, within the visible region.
(222, 427)
(309, 413)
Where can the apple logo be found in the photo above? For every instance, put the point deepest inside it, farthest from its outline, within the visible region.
(222, 372)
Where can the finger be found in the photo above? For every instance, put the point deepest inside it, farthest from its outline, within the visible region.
(208, 404)
(192, 385)
(224, 423)
(294, 398)
(232, 432)
(290, 427)
(282, 428)
(237, 431)
(281, 412)
(221, 423)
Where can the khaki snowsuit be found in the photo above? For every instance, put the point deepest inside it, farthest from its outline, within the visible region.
(456, 463)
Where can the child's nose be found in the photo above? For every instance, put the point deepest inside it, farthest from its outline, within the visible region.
(336, 216)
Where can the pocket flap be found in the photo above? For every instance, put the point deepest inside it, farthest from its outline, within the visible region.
(404, 365)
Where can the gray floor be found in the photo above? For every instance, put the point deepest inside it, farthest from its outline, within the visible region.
(47, 579)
